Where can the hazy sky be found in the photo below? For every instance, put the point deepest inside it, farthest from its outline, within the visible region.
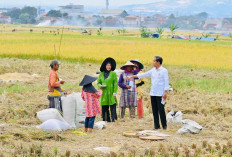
(4, 3)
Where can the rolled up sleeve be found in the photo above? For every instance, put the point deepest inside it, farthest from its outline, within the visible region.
(146, 74)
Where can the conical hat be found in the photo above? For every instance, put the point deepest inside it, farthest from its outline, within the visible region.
(140, 64)
(87, 80)
(128, 63)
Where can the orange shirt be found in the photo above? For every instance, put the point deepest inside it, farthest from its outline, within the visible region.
(53, 82)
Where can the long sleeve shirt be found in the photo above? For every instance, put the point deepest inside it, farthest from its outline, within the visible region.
(120, 81)
(110, 90)
(159, 80)
(92, 105)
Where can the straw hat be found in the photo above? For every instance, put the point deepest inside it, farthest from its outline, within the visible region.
(128, 63)
(140, 64)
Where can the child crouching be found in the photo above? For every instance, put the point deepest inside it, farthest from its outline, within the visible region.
(90, 95)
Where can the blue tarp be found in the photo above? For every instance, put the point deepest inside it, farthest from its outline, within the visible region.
(155, 35)
(208, 39)
(226, 34)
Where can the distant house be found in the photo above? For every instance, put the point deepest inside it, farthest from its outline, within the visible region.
(5, 19)
(3, 10)
(111, 22)
(160, 19)
(117, 13)
(213, 24)
(131, 21)
(227, 24)
(149, 22)
(72, 10)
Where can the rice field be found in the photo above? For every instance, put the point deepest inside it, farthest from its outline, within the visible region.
(92, 48)
(200, 74)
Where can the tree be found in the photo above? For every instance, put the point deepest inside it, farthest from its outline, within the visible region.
(230, 35)
(98, 22)
(173, 27)
(24, 18)
(54, 13)
(14, 14)
(160, 31)
(203, 15)
(145, 33)
(171, 19)
(31, 11)
(206, 35)
(65, 14)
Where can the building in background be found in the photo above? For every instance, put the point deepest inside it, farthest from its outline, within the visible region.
(3, 10)
(72, 10)
(5, 19)
(113, 13)
(131, 21)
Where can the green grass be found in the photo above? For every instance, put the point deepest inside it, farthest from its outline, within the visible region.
(208, 85)
(17, 88)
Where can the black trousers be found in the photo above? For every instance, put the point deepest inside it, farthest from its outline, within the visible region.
(158, 112)
(106, 113)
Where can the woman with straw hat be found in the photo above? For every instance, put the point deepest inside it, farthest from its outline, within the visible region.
(108, 83)
(128, 98)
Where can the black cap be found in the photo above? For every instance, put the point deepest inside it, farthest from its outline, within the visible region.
(54, 62)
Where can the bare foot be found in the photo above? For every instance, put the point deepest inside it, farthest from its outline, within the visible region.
(86, 129)
(90, 130)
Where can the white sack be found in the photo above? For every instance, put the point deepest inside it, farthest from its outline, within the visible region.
(190, 126)
(54, 125)
(50, 113)
(74, 110)
(100, 125)
(174, 117)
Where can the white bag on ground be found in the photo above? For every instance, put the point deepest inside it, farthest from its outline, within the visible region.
(152, 133)
(174, 117)
(74, 110)
(50, 113)
(100, 125)
(190, 126)
(54, 125)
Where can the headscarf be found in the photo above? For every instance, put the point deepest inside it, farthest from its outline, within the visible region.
(89, 88)
(106, 72)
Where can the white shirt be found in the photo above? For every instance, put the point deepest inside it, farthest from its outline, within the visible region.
(159, 80)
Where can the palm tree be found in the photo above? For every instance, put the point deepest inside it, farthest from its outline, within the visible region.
(172, 28)
(230, 35)
(160, 31)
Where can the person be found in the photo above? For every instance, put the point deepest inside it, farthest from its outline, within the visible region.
(108, 83)
(91, 97)
(139, 83)
(55, 91)
(159, 90)
(128, 98)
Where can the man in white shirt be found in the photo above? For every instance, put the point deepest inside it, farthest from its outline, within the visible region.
(159, 90)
